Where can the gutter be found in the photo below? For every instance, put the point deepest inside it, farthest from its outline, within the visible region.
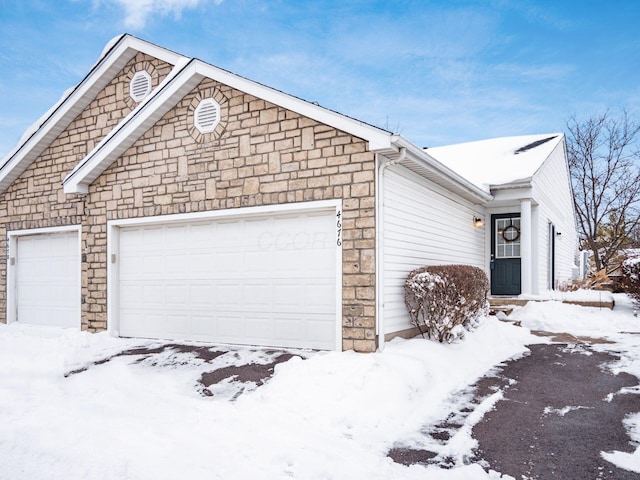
(450, 178)
(381, 167)
(522, 183)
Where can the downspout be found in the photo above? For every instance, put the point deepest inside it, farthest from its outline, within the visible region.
(382, 166)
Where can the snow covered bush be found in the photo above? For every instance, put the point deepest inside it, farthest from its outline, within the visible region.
(631, 277)
(445, 300)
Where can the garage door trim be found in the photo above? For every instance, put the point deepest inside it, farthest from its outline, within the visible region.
(114, 226)
(12, 244)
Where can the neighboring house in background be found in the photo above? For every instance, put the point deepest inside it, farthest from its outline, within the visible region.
(163, 197)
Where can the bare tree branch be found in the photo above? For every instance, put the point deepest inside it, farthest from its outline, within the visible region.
(604, 159)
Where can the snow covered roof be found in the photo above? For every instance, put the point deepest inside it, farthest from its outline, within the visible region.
(498, 161)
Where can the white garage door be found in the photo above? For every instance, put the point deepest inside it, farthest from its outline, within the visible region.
(255, 281)
(47, 286)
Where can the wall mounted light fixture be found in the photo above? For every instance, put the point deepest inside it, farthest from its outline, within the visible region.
(478, 222)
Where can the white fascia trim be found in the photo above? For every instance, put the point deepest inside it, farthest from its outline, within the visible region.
(101, 74)
(152, 49)
(422, 158)
(379, 140)
(45, 230)
(245, 212)
(143, 117)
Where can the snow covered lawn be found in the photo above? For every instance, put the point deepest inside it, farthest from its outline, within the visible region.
(330, 416)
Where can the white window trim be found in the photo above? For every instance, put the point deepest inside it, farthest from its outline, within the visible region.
(497, 241)
(113, 241)
(12, 244)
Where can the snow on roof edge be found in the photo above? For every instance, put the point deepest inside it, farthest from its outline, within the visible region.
(498, 161)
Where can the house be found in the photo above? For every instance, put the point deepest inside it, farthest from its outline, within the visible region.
(163, 197)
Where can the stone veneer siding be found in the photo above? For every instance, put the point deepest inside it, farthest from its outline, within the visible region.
(36, 198)
(259, 154)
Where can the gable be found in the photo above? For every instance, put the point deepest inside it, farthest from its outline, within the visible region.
(552, 184)
(74, 102)
(498, 162)
(41, 179)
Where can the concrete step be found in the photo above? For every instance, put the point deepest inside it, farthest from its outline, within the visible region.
(506, 304)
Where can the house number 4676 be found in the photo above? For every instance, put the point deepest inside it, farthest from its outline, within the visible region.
(339, 228)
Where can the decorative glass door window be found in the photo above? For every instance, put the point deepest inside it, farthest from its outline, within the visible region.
(508, 237)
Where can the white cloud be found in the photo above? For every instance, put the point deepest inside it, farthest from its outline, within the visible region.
(138, 11)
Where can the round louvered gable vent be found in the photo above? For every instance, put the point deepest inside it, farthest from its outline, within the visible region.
(207, 115)
(140, 86)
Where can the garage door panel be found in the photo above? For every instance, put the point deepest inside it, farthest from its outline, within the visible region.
(314, 292)
(261, 327)
(288, 328)
(153, 236)
(130, 266)
(177, 295)
(258, 294)
(198, 263)
(177, 264)
(138, 322)
(131, 294)
(203, 327)
(256, 261)
(232, 280)
(228, 295)
(154, 294)
(177, 322)
(227, 263)
(153, 264)
(289, 294)
(201, 294)
(229, 326)
(316, 330)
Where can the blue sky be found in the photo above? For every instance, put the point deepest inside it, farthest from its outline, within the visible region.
(436, 72)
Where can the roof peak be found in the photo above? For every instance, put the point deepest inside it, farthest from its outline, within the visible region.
(535, 144)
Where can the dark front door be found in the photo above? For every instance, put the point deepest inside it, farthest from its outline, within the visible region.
(505, 254)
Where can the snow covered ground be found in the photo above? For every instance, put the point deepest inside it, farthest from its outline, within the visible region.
(330, 416)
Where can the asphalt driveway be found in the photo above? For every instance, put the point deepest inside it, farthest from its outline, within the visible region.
(560, 408)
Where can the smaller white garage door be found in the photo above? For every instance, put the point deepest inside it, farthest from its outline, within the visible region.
(268, 280)
(47, 279)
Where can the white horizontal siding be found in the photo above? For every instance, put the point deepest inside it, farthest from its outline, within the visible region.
(552, 191)
(422, 225)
